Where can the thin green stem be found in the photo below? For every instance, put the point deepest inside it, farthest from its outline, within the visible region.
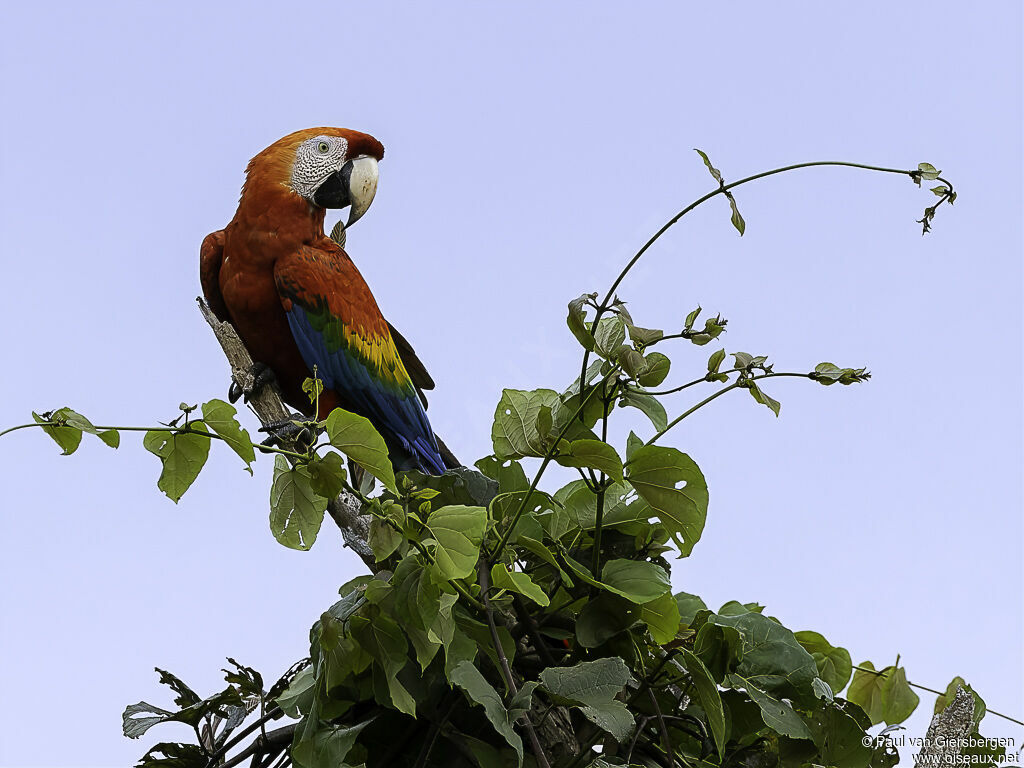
(599, 518)
(183, 430)
(716, 395)
(687, 385)
(506, 670)
(606, 303)
(548, 456)
(457, 585)
(879, 673)
(23, 426)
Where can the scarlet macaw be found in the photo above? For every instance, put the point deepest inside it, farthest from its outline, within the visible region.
(297, 300)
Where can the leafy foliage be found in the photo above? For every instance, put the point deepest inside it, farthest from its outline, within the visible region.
(505, 623)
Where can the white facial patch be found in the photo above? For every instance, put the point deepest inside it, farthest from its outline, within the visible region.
(315, 160)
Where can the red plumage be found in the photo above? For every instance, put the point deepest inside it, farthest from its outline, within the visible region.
(297, 299)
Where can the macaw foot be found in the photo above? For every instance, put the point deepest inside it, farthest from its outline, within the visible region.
(296, 431)
(259, 376)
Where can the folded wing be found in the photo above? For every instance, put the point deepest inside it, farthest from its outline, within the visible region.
(338, 327)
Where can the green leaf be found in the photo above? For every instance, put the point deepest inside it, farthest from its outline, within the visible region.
(692, 318)
(577, 320)
(773, 659)
(182, 455)
(517, 581)
(658, 366)
(192, 708)
(777, 714)
(356, 437)
(383, 639)
(591, 453)
(508, 473)
(672, 484)
(296, 511)
(111, 437)
(940, 190)
(715, 174)
(610, 335)
(928, 172)
(743, 360)
(592, 686)
(715, 361)
(602, 618)
(632, 362)
(313, 387)
(661, 616)
(134, 726)
(648, 405)
(220, 418)
(689, 606)
(545, 554)
(755, 391)
(383, 539)
(479, 691)
(516, 431)
(828, 374)
(884, 696)
(834, 664)
(298, 696)
(736, 218)
(633, 443)
(327, 746)
(67, 437)
(713, 328)
(644, 336)
(327, 474)
(636, 580)
(707, 692)
(898, 699)
(839, 737)
(822, 690)
(458, 531)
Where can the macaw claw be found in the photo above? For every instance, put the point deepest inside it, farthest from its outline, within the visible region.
(258, 376)
(296, 431)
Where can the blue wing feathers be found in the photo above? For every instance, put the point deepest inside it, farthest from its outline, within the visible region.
(399, 413)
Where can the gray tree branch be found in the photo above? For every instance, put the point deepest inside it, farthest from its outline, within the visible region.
(948, 727)
(269, 408)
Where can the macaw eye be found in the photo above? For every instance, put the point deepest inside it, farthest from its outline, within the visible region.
(323, 147)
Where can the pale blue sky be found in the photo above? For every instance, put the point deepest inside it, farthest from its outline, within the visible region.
(530, 150)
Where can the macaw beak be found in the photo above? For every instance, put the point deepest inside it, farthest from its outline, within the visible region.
(354, 184)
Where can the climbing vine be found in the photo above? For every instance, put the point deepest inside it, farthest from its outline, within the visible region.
(505, 621)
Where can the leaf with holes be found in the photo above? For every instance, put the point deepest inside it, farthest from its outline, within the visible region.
(672, 484)
(296, 511)
(517, 429)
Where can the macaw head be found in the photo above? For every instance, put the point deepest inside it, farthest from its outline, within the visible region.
(329, 167)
